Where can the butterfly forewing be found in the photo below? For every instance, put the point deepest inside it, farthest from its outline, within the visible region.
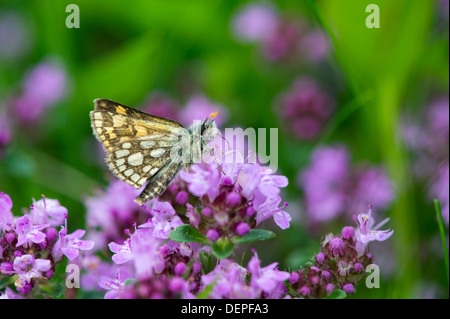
(138, 144)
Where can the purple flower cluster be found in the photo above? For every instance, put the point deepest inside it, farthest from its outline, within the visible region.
(281, 39)
(305, 108)
(43, 86)
(31, 246)
(218, 201)
(154, 267)
(229, 280)
(236, 197)
(331, 187)
(342, 261)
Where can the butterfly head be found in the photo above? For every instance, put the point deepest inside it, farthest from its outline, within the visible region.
(208, 129)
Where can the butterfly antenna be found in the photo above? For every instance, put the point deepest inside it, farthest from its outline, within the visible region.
(226, 141)
(215, 160)
(220, 167)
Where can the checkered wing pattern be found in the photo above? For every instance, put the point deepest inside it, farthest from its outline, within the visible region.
(137, 144)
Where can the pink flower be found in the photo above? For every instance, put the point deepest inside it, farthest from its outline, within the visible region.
(6, 216)
(115, 285)
(305, 108)
(332, 186)
(254, 21)
(367, 232)
(142, 249)
(164, 219)
(43, 86)
(71, 244)
(48, 211)
(27, 232)
(267, 278)
(28, 268)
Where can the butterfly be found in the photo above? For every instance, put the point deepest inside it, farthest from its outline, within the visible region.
(143, 148)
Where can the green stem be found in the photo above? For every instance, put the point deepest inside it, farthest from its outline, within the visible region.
(437, 206)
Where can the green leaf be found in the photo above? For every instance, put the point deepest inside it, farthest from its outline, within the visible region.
(222, 248)
(187, 234)
(205, 293)
(208, 262)
(254, 235)
(337, 294)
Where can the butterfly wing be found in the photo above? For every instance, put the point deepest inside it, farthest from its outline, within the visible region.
(158, 183)
(137, 144)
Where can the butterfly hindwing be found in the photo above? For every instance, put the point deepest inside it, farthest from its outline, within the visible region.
(158, 183)
(137, 160)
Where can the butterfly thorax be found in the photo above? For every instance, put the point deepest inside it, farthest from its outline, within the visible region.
(200, 134)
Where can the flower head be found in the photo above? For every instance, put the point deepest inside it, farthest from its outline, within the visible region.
(29, 245)
(305, 108)
(236, 196)
(28, 268)
(43, 86)
(333, 187)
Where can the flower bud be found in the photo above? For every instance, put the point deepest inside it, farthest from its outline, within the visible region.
(196, 268)
(242, 229)
(349, 289)
(320, 257)
(181, 198)
(293, 278)
(233, 199)
(330, 289)
(337, 247)
(51, 234)
(176, 285)
(326, 276)
(250, 212)
(10, 237)
(226, 181)
(358, 267)
(348, 232)
(180, 268)
(305, 291)
(212, 235)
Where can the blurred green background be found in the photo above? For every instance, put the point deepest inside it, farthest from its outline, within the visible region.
(125, 50)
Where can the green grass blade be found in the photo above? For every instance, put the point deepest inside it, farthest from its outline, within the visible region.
(437, 206)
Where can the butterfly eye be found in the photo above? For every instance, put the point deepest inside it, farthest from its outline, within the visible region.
(203, 128)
